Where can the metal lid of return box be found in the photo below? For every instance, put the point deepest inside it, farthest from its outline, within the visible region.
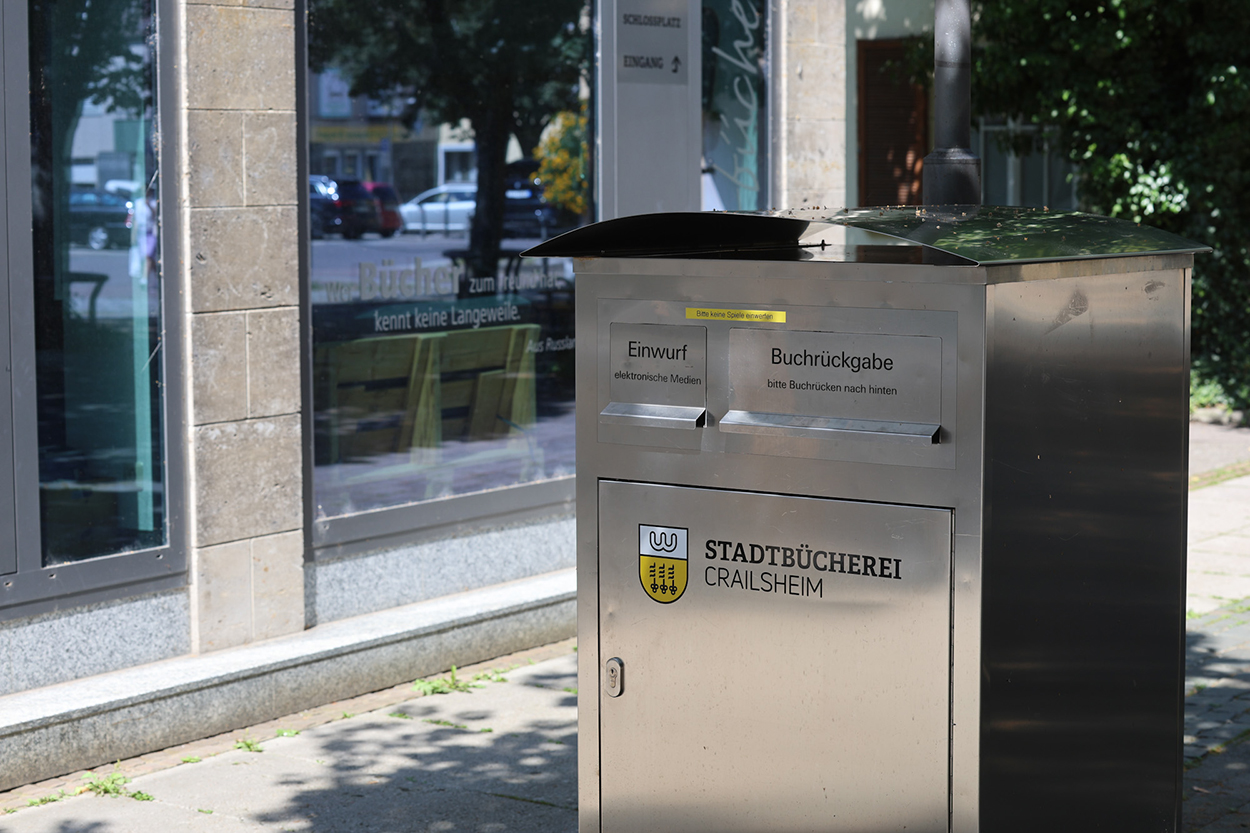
(937, 235)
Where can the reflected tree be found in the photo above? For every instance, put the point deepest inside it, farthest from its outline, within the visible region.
(505, 65)
(80, 51)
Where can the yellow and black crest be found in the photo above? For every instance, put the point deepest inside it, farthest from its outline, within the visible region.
(662, 562)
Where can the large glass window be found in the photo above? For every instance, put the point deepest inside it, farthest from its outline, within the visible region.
(440, 147)
(96, 247)
(735, 106)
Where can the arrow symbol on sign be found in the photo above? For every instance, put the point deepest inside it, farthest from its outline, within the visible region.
(676, 63)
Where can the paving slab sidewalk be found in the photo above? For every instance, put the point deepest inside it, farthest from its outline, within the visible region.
(500, 756)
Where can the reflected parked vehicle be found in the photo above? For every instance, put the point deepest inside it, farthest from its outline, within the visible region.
(324, 216)
(389, 219)
(358, 209)
(100, 219)
(446, 208)
(526, 212)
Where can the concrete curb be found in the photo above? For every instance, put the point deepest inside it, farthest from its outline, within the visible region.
(61, 728)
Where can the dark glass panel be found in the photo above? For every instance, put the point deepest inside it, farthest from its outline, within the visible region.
(96, 276)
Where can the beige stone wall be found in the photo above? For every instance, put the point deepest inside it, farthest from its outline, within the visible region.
(241, 279)
(812, 91)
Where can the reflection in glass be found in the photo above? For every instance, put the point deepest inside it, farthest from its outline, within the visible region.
(443, 363)
(735, 107)
(97, 282)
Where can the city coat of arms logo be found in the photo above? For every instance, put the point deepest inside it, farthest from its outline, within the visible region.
(662, 562)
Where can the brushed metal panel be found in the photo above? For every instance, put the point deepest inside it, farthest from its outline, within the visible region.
(789, 425)
(653, 416)
(775, 692)
(889, 378)
(658, 364)
(930, 335)
(1084, 565)
(869, 298)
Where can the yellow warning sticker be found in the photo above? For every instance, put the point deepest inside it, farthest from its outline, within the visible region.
(763, 316)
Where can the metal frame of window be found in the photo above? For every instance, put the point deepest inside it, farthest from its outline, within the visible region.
(410, 523)
(26, 586)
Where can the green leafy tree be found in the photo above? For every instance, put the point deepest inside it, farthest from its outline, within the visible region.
(506, 66)
(1152, 102)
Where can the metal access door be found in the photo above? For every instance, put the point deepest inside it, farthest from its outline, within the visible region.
(784, 662)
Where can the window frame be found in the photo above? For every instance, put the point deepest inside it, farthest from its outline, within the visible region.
(411, 523)
(30, 588)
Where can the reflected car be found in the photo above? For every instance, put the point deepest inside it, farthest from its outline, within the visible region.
(389, 220)
(526, 212)
(324, 216)
(100, 219)
(357, 208)
(446, 208)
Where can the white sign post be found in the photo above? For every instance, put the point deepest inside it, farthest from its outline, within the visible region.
(649, 77)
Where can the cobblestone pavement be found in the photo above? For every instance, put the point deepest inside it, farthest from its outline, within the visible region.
(1217, 721)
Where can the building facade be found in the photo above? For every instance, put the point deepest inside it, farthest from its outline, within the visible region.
(252, 462)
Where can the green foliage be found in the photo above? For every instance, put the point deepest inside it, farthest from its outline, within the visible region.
(191, 759)
(445, 723)
(248, 745)
(111, 784)
(445, 685)
(563, 157)
(1151, 101)
(47, 799)
(494, 675)
(1207, 393)
(287, 733)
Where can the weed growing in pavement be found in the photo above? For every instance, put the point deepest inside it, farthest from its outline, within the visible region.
(191, 759)
(348, 715)
(287, 733)
(570, 689)
(445, 723)
(483, 731)
(400, 715)
(444, 685)
(205, 812)
(248, 745)
(47, 799)
(493, 675)
(553, 740)
(111, 784)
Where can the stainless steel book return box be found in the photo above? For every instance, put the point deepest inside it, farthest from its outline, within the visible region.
(881, 521)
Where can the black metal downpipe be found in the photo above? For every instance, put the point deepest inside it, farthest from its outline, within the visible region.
(952, 172)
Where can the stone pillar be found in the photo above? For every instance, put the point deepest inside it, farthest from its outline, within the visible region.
(813, 95)
(241, 279)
